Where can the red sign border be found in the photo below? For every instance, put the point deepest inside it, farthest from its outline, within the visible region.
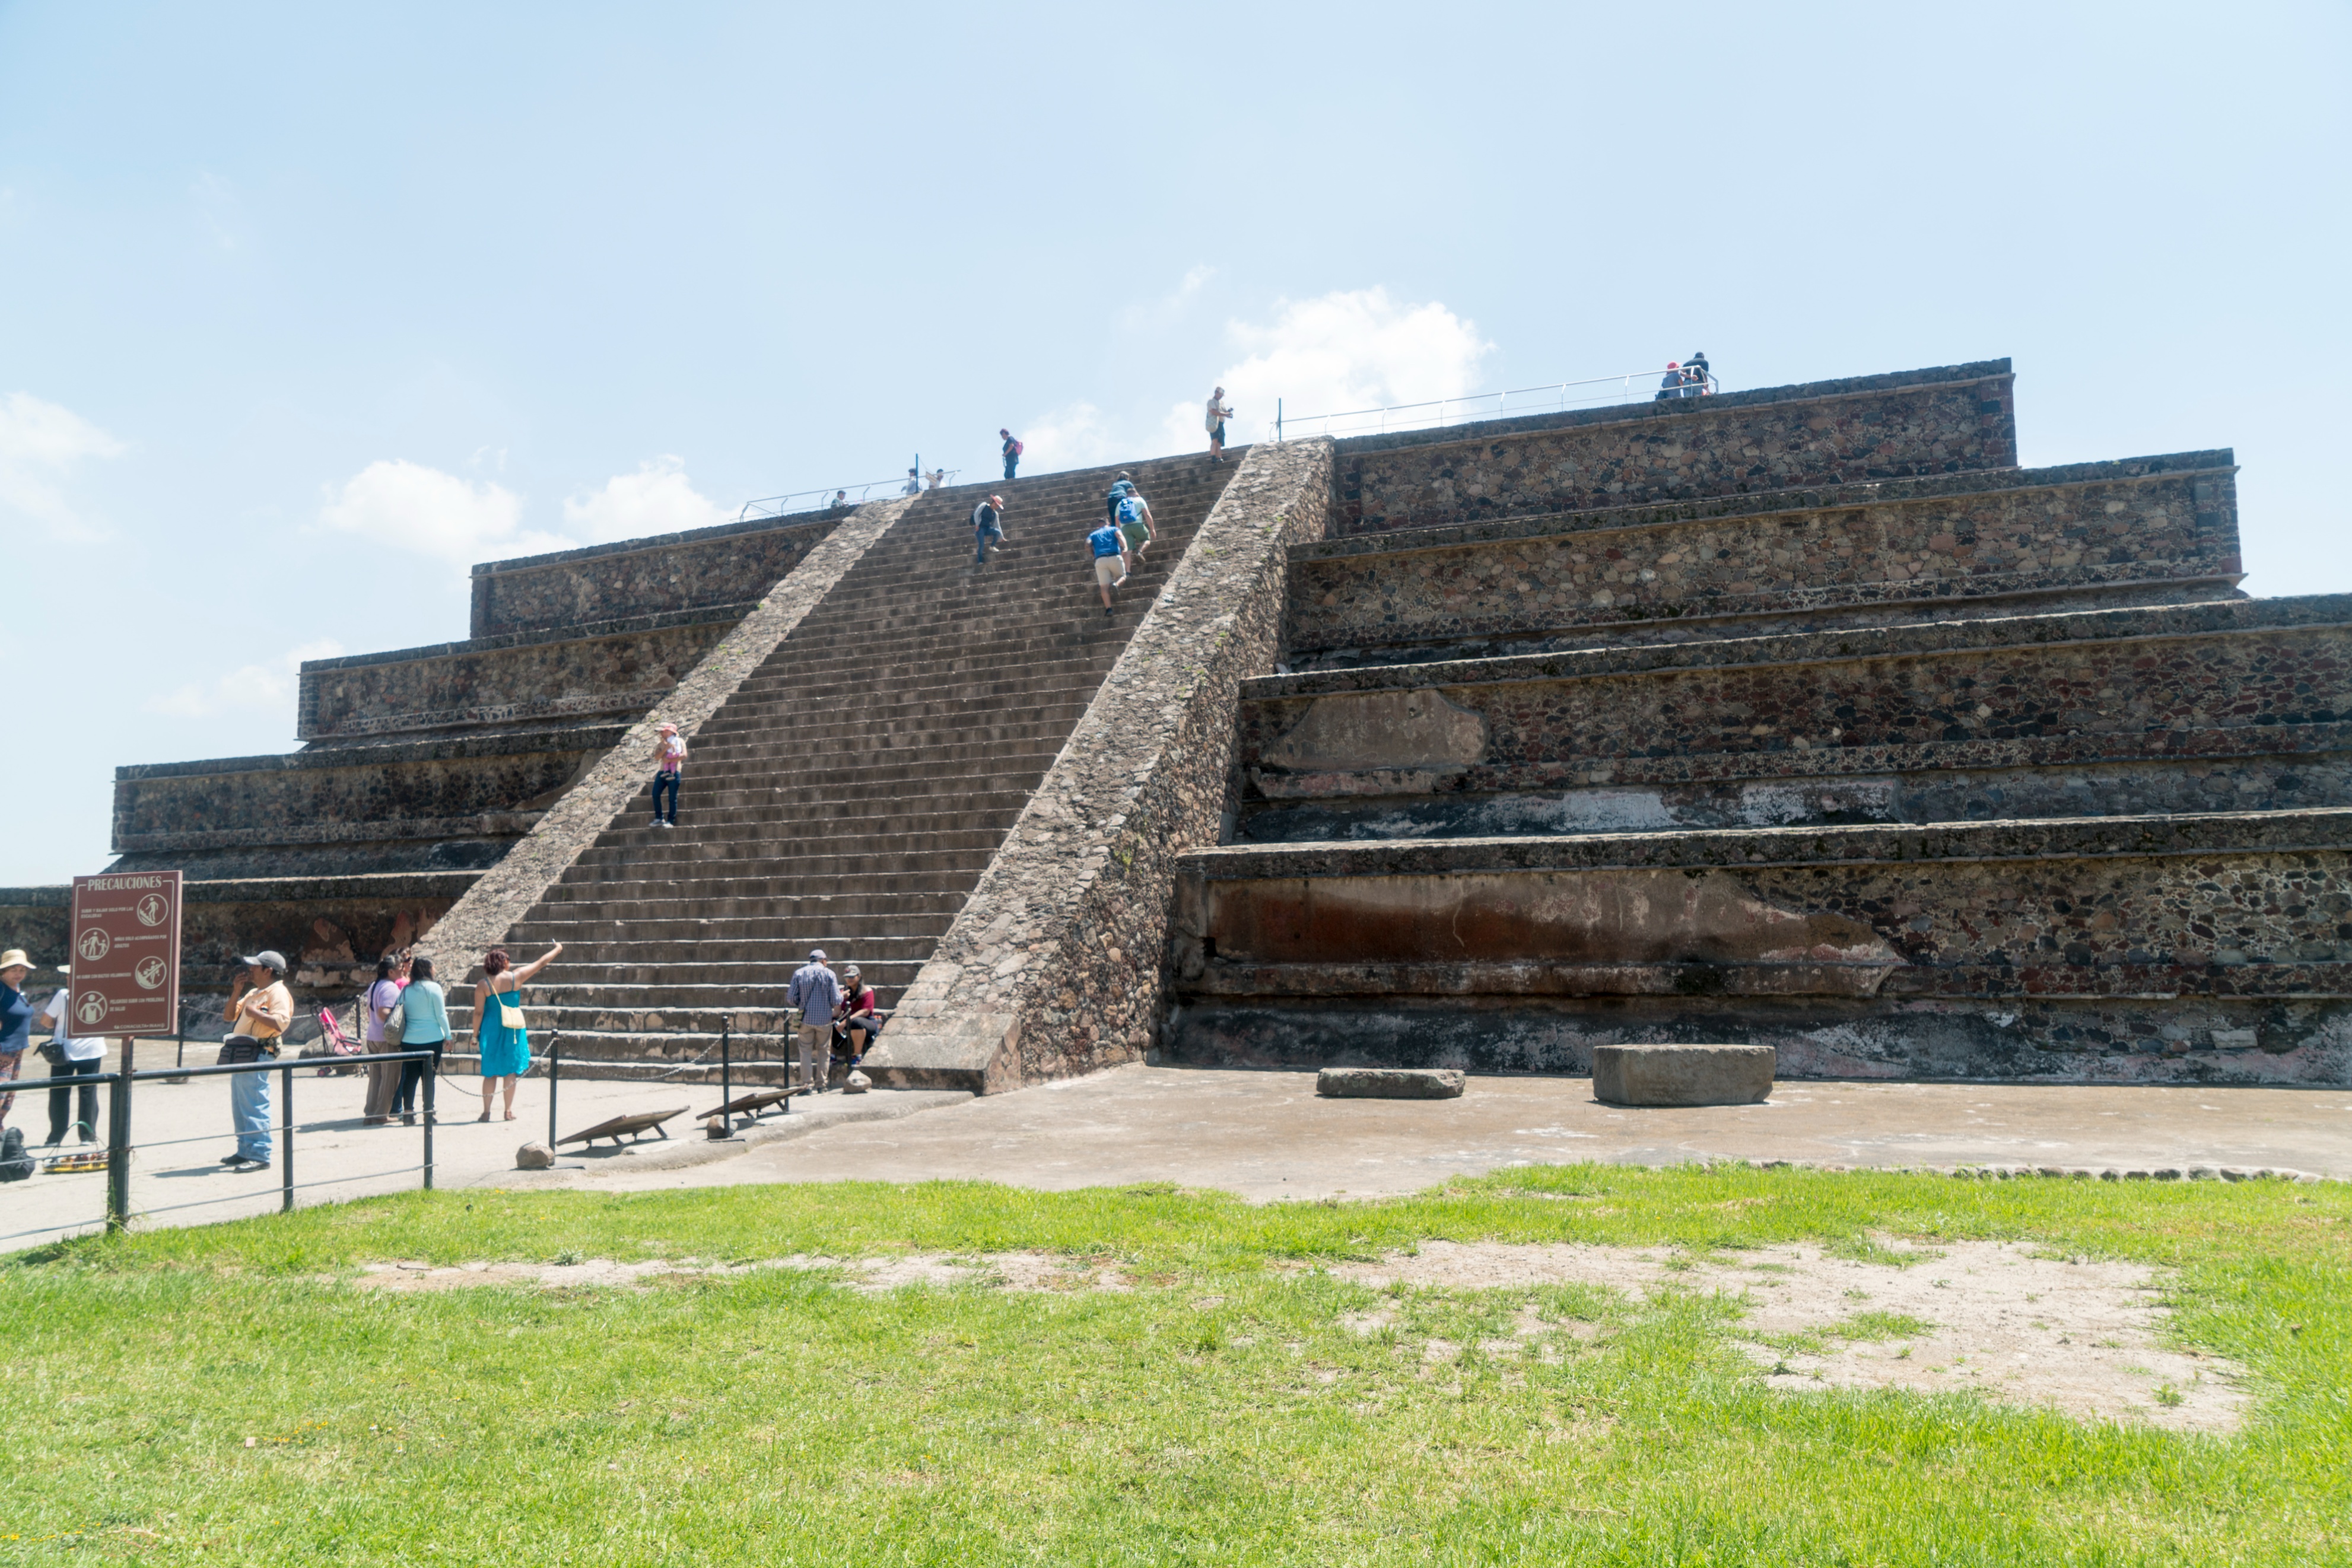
(177, 882)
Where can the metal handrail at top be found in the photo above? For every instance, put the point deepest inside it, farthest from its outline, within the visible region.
(1632, 386)
(821, 500)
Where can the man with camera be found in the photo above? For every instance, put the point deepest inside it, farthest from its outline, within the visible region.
(259, 1010)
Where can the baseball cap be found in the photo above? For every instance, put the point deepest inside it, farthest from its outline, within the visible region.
(816, 955)
(269, 956)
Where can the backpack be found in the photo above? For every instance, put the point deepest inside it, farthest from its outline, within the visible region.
(15, 1164)
(1017, 448)
(1130, 511)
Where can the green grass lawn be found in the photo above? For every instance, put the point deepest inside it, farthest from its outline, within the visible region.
(225, 1395)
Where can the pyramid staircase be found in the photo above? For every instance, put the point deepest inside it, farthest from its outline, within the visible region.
(1984, 771)
(851, 791)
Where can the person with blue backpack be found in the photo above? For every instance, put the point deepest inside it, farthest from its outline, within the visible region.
(1134, 514)
(1121, 489)
(1109, 548)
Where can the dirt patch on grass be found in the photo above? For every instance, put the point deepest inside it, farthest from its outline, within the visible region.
(1003, 1271)
(1987, 1317)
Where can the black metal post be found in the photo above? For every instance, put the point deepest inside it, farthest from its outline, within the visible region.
(726, 1076)
(286, 1151)
(432, 1076)
(180, 1056)
(554, 1047)
(118, 1147)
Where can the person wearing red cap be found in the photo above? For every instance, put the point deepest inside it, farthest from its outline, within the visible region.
(1670, 385)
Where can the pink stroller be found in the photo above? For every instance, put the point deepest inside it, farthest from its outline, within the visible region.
(338, 1043)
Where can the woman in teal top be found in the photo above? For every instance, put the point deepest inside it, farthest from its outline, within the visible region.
(425, 1013)
(505, 1047)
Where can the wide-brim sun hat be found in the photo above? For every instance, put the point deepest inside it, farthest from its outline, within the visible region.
(14, 958)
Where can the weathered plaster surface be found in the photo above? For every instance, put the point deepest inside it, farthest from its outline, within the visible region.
(643, 577)
(2093, 922)
(1923, 545)
(1878, 427)
(511, 888)
(1055, 964)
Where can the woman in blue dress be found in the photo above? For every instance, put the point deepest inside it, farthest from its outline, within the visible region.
(499, 1031)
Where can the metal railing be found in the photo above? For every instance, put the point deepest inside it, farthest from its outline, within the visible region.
(120, 1146)
(1600, 391)
(842, 496)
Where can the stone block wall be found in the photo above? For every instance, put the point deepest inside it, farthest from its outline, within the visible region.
(490, 785)
(2090, 526)
(725, 565)
(1057, 963)
(609, 667)
(1877, 427)
(2063, 937)
(2105, 680)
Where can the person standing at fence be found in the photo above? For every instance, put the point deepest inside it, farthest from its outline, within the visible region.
(987, 523)
(258, 1010)
(424, 1026)
(669, 761)
(1217, 416)
(500, 1033)
(376, 1003)
(71, 1059)
(16, 1023)
(914, 486)
(817, 994)
(1670, 385)
(1697, 374)
(1012, 451)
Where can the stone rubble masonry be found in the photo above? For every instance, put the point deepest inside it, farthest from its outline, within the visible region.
(1896, 426)
(690, 571)
(603, 667)
(1055, 964)
(2040, 690)
(399, 793)
(508, 890)
(1952, 540)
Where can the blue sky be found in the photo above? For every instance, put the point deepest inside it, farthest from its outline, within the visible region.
(302, 309)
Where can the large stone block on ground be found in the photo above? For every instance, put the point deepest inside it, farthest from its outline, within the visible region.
(1682, 1074)
(1391, 1083)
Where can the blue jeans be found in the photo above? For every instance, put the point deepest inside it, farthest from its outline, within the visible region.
(982, 537)
(665, 782)
(248, 1112)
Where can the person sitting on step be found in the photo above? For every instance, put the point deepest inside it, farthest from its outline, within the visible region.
(855, 1020)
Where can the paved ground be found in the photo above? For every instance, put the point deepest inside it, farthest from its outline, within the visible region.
(1261, 1135)
(182, 1130)
(1265, 1136)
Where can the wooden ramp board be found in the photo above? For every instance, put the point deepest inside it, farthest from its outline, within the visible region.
(757, 1101)
(632, 1125)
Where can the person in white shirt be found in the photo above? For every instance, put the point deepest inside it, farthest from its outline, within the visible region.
(1218, 412)
(79, 1057)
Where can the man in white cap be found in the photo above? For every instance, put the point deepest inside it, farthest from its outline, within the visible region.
(259, 1010)
(817, 994)
(987, 523)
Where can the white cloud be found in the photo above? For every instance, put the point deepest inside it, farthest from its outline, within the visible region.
(1349, 349)
(40, 444)
(1158, 315)
(656, 499)
(267, 687)
(404, 503)
(1073, 436)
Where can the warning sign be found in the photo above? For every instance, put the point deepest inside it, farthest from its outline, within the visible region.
(126, 946)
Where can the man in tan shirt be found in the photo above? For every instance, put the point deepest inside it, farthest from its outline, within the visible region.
(259, 1010)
